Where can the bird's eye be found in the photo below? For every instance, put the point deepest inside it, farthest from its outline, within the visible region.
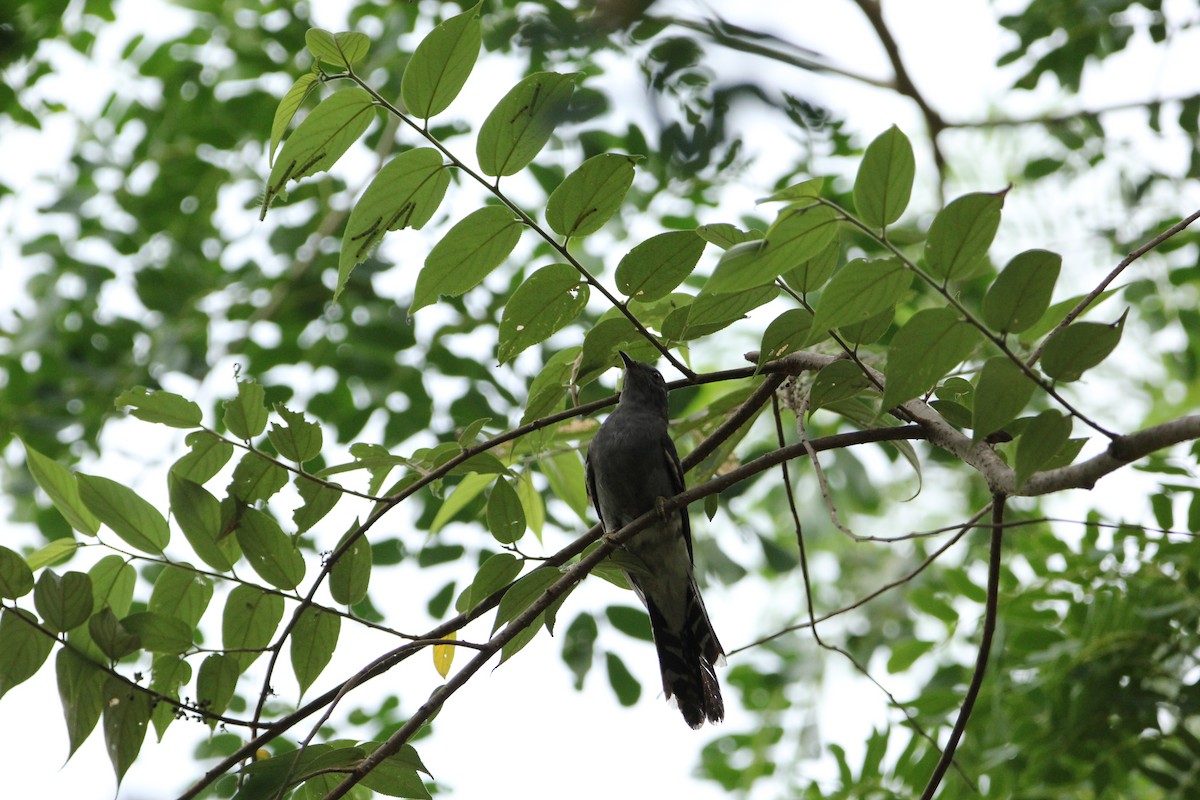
(658, 377)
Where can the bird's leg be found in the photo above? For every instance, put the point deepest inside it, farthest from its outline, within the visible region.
(660, 505)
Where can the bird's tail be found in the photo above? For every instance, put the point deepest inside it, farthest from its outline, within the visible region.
(687, 655)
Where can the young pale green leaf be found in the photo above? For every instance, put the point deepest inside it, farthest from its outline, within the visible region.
(549, 299)
(522, 594)
(62, 487)
(182, 594)
(23, 648)
(350, 576)
(81, 689)
(1041, 440)
(287, 109)
(52, 553)
(256, 478)
(137, 522)
(342, 50)
(16, 578)
(297, 439)
(521, 123)
(162, 407)
(814, 272)
(441, 64)
(470, 487)
(159, 633)
(930, 344)
(565, 472)
(725, 236)
(1000, 395)
(198, 515)
(836, 382)
(271, 552)
(167, 674)
(859, 291)
(805, 190)
(961, 234)
(786, 334)
(652, 269)
(320, 140)
(111, 636)
(246, 415)
(207, 454)
(532, 504)
(113, 581)
(476, 245)
(319, 499)
(1058, 312)
(405, 194)
(216, 682)
(589, 196)
(1021, 293)
(314, 639)
(799, 233)
(63, 601)
(505, 517)
(885, 179)
(250, 619)
(126, 718)
(711, 313)
(1080, 346)
(905, 654)
(494, 574)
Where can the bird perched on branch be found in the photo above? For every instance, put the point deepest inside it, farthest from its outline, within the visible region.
(632, 466)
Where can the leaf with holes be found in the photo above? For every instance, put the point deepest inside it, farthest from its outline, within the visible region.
(549, 299)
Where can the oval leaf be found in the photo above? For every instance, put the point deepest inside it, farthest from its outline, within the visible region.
(441, 64)
(930, 344)
(16, 578)
(350, 576)
(64, 602)
(1000, 395)
(859, 291)
(1079, 347)
(313, 641)
(249, 621)
(162, 407)
(589, 196)
(885, 178)
(652, 269)
(476, 245)
(961, 234)
(521, 123)
(63, 489)
(130, 517)
(551, 298)
(799, 233)
(271, 552)
(1021, 293)
(1041, 440)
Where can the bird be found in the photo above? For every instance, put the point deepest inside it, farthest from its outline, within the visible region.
(632, 467)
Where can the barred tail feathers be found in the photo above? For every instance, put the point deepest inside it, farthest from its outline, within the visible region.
(687, 658)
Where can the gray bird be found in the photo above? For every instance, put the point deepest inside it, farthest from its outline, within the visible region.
(632, 465)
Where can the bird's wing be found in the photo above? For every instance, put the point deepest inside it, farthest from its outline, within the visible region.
(593, 495)
(675, 470)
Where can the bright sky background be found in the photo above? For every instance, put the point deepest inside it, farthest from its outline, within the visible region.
(523, 729)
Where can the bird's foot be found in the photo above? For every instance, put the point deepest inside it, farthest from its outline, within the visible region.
(660, 505)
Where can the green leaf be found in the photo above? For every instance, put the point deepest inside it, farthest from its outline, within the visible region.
(929, 345)
(565, 472)
(63, 602)
(314, 639)
(350, 576)
(1042, 438)
(799, 233)
(16, 578)
(624, 685)
(470, 487)
(297, 439)
(493, 574)
(579, 646)
(1000, 395)
(725, 236)
(113, 581)
(786, 334)
(81, 690)
(397, 775)
(216, 683)
(522, 594)
(207, 454)
(836, 382)
(60, 484)
(885, 178)
(868, 330)
(548, 300)
(441, 64)
(341, 50)
(287, 109)
(126, 718)
(532, 504)
(905, 653)
(52, 553)
(815, 271)
(711, 313)
(522, 122)
(256, 478)
(1079, 347)
(162, 407)
(477, 244)
(590, 195)
(23, 648)
(630, 621)
(137, 522)
(1058, 312)
(271, 552)
(319, 499)
(181, 593)
(198, 515)
(405, 194)
(804, 190)
(249, 621)
(320, 140)
(246, 415)
(505, 517)
(1021, 293)
(859, 291)
(652, 269)
(111, 636)
(159, 633)
(961, 234)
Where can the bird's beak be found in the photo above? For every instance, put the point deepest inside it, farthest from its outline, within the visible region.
(629, 362)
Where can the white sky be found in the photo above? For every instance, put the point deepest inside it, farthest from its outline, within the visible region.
(523, 729)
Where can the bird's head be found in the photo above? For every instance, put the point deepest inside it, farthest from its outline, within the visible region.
(643, 386)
